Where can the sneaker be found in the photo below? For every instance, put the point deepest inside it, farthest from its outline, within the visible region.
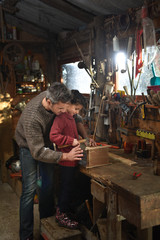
(64, 221)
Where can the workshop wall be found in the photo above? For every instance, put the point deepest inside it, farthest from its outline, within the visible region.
(89, 43)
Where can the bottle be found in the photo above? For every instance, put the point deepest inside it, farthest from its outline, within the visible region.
(25, 63)
(14, 33)
(35, 65)
(115, 44)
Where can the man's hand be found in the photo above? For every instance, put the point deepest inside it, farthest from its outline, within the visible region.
(75, 154)
(90, 143)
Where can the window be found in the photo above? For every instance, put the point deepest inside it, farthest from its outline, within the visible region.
(123, 77)
(75, 78)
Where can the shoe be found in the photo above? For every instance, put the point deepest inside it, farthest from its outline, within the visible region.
(30, 238)
(64, 221)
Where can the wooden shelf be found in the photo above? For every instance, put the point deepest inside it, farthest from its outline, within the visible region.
(22, 41)
(28, 93)
(30, 83)
(133, 105)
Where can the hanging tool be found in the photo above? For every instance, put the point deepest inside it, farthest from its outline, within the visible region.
(126, 91)
(134, 110)
(139, 63)
(103, 97)
(90, 73)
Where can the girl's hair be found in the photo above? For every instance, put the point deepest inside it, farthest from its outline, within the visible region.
(58, 92)
(78, 98)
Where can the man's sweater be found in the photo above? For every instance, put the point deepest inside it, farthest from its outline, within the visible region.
(63, 132)
(33, 129)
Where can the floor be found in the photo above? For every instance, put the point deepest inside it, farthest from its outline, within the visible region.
(9, 214)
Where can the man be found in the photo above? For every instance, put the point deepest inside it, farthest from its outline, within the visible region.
(36, 153)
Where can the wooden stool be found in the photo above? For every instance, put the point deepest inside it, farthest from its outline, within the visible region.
(50, 230)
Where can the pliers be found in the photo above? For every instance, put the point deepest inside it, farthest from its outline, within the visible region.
(135, 175)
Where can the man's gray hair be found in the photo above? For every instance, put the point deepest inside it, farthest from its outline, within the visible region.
(58, 92)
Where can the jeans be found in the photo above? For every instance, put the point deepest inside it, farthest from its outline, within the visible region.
(67, 186)
(29, 167)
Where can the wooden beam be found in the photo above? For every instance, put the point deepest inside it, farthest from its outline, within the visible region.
(9, 6)
(69, 9)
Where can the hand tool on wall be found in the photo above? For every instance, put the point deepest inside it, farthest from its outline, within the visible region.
(126, 91)
(88, 70)
(134, 110)
(99, 112)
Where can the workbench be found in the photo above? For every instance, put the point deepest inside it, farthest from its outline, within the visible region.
(137, 201)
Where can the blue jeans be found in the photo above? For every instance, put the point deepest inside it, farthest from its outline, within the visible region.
(29, 168)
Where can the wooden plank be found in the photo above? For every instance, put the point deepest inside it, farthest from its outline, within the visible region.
(6, 148)
(88, 235)
(102, 227)
(121, 159)
(130, 210)
(52, 231)
(145, 234)
(98, 208)
(113, 225)
(69, 9)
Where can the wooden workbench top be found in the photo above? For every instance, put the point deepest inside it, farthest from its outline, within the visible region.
(121, 175)
(138, 200)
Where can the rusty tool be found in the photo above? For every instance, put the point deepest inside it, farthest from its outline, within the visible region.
(80, 141)
(107, 145)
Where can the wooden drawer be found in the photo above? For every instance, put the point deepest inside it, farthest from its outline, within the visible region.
(98, 191)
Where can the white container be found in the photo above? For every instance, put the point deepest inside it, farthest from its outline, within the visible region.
(35, 65)
(14, 33)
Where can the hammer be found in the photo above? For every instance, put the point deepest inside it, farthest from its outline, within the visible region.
(80, 141)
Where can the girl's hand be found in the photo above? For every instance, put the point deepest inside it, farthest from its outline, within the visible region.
(75, 143)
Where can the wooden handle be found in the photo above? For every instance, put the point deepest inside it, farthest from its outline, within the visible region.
(64, 146)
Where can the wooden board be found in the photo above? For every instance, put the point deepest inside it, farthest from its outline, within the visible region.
(51, 231)
(6, 147)
(116, 157)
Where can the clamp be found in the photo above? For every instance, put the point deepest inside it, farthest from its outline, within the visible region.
(135, 175)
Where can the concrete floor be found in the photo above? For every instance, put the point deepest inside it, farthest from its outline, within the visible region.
(9, 214)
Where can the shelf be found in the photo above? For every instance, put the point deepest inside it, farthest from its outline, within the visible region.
(28, 93)
(23, 41)
(30, 83)
(132, 105)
